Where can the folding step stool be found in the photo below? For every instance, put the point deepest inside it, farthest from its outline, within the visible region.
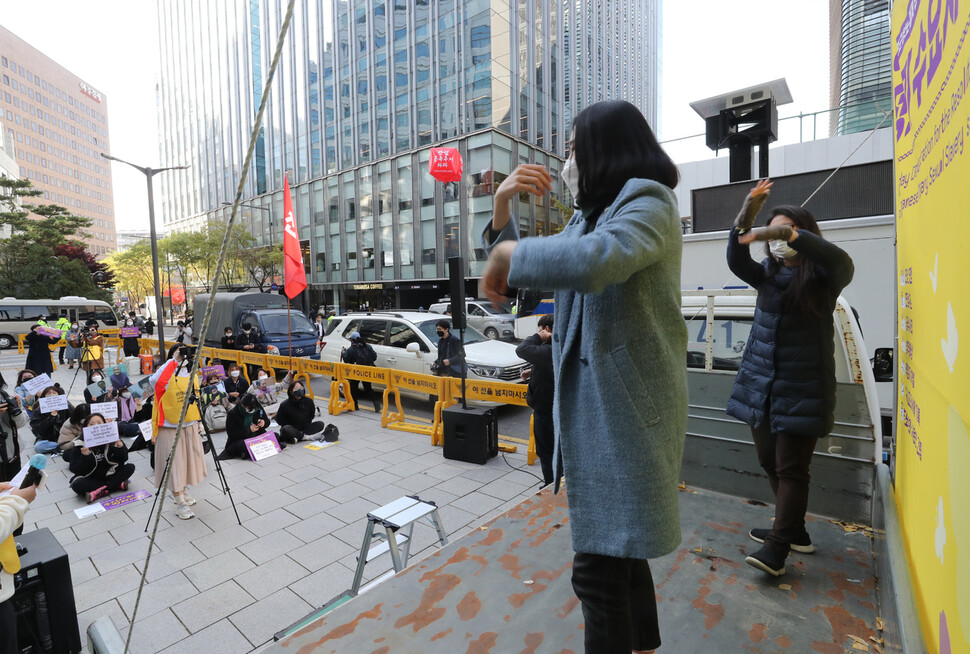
(384, 524)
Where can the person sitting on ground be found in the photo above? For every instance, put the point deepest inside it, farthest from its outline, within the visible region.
(71, 430)
(47, 425)
(108, 393)
(296, 415)
(145, 405)
(235, 384)
(266, 391)
(245, 420)
(128, 405)
(99, 471)
(26, 398)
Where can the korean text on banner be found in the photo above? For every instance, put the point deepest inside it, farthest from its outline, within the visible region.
(103, 434)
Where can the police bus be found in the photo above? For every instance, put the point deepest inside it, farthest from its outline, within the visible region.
(17, 316)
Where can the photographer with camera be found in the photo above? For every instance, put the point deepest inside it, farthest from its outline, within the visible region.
(13, 417)
(171, 383)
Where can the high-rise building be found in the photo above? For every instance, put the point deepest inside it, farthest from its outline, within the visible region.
(364, 89)
(860, 64)
(57, 125)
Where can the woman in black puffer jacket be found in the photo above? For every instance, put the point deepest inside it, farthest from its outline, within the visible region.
(785, 388)
(296, 415)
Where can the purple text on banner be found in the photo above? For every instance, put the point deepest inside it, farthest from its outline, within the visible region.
(262, 446)
(123, 500)
(50, 331)
(208, 370)
(128, 332)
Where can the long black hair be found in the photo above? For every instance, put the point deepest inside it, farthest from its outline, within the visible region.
(803, 293)
(613, 143)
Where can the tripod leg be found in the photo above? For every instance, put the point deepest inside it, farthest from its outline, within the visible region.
(218, 463)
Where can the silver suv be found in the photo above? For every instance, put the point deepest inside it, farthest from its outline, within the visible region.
(480, 314)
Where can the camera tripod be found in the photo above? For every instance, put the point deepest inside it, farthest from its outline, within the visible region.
(194, 399)
(82, 335)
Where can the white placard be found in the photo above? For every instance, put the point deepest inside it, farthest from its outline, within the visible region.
(53, 403)
(89, 510)
(146, 429)
(263, 450)
(100, 434)
(106, 409)
(38, 383)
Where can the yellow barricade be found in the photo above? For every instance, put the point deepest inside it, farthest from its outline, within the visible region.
(410, 381)
(347, 373)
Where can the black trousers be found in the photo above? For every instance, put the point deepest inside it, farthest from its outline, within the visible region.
(60, 355)
(619, 603)
(291, 434)
(785, 458)
(545, 435)
(355, 393)
(83, 485)
(8, 628)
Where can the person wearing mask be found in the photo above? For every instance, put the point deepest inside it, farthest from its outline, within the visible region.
(145, 408)
(101, 470)
(73, 351)
(13, 418)
(245, 420)
(107, 393)
(71, 430)
(788, 396)
(620, 407)
(12, 510)
(248, 341)
(128, 405)
(138, 320)
(537, 350)
(130, 343)
(39, 351)
(150, 326)
(46, 425)
(63, 324)
(92, 350)
(235, 383)
(451, 355)
(170, 383)
(296, 415)
(25, 396)
(360, 353)
(320, 327)
(183, 333)
(266, 390)
(228, 343)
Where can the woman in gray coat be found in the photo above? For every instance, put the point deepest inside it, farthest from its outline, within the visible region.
(618, 345)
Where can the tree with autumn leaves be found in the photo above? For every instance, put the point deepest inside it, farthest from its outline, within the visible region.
(43, 257)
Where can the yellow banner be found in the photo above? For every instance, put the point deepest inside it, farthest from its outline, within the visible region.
(312, 366)
(931, 128)
(488, 391)
(412, 381)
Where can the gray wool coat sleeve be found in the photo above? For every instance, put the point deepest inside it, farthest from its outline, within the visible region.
(619, 348)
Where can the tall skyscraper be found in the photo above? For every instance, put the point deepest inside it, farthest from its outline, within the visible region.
(860, 64)
(364, 89)
(57, 125)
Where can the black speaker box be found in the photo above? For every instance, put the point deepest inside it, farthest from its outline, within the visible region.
(471, 434)
(44, 597)
(456, 277)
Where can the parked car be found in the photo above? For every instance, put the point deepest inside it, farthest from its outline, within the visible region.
(276, 326)
(480, 314)
(407, 340)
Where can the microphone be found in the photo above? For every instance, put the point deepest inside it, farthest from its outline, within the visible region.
(37, 464)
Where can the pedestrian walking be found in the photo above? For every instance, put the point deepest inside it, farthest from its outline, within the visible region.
(785, 387)
(621, 394)
(150, 326)
(537, 350)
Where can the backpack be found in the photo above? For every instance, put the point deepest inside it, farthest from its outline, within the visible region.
(331, 433)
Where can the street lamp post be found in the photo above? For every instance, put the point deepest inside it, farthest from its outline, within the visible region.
(149, 173)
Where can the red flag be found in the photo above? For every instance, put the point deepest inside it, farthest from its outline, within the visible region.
(294, 274)
(445, 164)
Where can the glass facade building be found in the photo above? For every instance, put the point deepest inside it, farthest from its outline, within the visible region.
(861, 41)
(363, 90)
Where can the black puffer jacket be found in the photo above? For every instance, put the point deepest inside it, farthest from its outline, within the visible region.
(541, 383)
(788, 366)
(296, 412)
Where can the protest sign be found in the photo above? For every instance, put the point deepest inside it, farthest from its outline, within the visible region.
(37, 384)
(106, 409)
(102, 434)
(129, 332)
(208, 370)
(53, 403)
(50, 331)
(263, 446)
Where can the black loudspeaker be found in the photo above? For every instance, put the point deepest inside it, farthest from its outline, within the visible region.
(456, 278)
(471, 434)
(44, 597)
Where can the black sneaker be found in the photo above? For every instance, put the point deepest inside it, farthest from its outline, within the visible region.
(801, 544)
(768, 560)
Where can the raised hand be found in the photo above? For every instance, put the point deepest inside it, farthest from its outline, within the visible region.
(495, 276)
(526, 178)
(752, 205)
(772, 233)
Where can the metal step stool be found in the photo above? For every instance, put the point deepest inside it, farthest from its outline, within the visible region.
(384, 524)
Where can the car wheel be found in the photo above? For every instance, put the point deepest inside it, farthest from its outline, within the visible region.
(491, 333)
(6, 342)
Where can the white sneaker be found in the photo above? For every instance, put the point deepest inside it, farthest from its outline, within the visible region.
(184, 498)
(184, 512)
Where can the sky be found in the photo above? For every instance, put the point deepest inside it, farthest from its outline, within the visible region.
(113, 46)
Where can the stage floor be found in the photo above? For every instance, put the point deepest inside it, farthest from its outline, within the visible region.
(505, 587)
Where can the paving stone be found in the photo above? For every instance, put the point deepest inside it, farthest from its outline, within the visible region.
(156, 632)
(209, 607)
(347, 491)
(324, 584)
(82, 571)
(105, 587)
(505, 490)
(119, 556)
(378, 479)
(323, 551)
(311, 506)
(158, 596)
(459, 486)
(90, 546)
(368, 465)
(219, 637)
(270, 522)
(269, 502)
(478, 504)
(108, 609)
(296, 475)
(134, 532)
(444, 471)
(227, 518)
(310, 529)
(341, 476)
(172, 560)
(417, 483)
(261, 620)
(455, 518)
(353, 510)
(100, 523)
(386, 494)
(183, 532)
(265, 580)
(223, 540)
(270, 546)
(309, 487)
(217, 569)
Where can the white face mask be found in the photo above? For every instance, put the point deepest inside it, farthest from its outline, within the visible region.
(126, 395)
(130, 323)
(261, 377)
(570, 175)
(96, 378)
(781, 249)
(234, 374)
(73, 326)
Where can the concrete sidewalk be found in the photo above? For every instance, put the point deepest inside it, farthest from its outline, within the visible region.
(216, 586)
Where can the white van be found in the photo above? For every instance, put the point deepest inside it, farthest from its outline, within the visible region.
(18, 316)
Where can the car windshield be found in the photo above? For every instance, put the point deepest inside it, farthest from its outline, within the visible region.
(274, 324)
(502, 308)
(429, 329)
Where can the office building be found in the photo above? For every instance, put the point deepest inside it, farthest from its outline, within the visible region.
(860, 64)
(58, 125)
(364, 90)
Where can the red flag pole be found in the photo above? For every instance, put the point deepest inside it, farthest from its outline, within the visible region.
(294, 273)
(289, 332)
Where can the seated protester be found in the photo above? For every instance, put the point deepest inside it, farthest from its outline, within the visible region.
(245, 420)
(128, 406)
(215, 410)
(235, 383)
(265, 390)
(26, 399)
(98, 471)
(108, 394)
(71, 430)
(130, 343)
(144, 406)
(47, 426)
(296, 415)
